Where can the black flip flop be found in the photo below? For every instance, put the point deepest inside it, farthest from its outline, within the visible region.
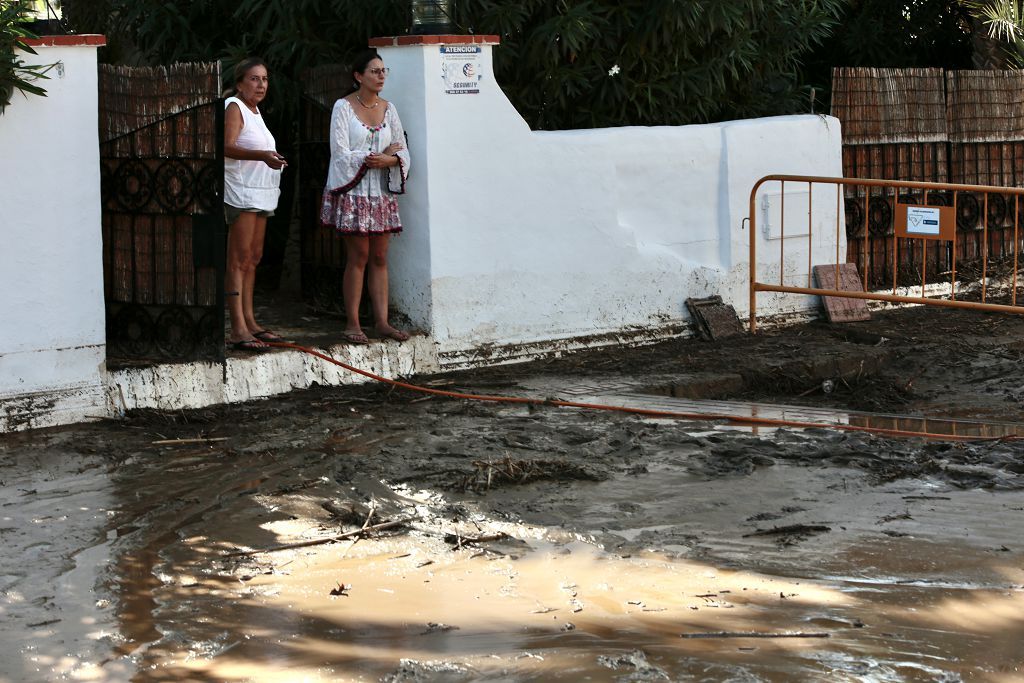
(269, 336)
(249, 346)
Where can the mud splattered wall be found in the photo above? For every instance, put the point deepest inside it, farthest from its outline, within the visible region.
(52, 342)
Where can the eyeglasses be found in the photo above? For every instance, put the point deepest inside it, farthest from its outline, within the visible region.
(380, 72)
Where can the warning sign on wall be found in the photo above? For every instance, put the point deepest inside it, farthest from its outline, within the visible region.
(461, 69)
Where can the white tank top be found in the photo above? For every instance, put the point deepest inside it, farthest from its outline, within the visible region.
(251, 184)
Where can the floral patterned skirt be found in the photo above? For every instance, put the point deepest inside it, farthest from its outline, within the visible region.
(356, 215)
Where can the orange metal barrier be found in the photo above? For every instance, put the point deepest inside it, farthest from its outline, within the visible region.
(894, 195)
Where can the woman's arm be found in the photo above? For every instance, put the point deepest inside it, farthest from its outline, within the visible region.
(399, 171)
(233, 124)
(347, 164)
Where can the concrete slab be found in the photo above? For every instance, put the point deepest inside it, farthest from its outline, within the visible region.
(841, 309)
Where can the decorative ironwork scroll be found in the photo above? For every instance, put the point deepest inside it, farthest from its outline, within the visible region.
(162, 170)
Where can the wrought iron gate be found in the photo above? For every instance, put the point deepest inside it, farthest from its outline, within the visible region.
(323, 256)
(162, 171)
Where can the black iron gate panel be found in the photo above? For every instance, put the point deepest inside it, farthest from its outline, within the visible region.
(323, 256)
(162, 172)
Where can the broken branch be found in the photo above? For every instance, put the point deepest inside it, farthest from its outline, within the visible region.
(742, 634)
(321, 541)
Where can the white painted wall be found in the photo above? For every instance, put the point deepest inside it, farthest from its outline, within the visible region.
(52, 337)
(517, 237)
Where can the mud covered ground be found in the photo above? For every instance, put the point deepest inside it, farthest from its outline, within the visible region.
(378, 534)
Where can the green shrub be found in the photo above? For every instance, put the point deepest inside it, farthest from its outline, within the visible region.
(14, 73)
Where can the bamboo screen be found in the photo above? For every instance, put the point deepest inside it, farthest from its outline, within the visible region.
(985, 110)
(135, 97)
(889, 105)
(985, 106)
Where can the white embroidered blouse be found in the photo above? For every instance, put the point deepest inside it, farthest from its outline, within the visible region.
(352, 141)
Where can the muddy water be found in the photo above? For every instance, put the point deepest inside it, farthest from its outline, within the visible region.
(667, 564)
(570, 601)
(571, 612)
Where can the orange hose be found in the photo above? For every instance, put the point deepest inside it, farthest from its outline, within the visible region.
(647, 412)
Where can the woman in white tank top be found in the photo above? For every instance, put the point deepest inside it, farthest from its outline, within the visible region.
(252, 175)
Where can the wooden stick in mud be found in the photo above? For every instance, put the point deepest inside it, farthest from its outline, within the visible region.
(741, 634)
(204, 439)
(321, 541)
(366, 524)
(790, 529)
(459, 541)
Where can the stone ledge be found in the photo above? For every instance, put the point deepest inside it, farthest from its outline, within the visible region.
(201, 384)
(52, 408)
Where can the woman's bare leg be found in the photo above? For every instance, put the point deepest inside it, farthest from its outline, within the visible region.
(377, 281)
(357, 250)
(239, 265)
(255, 250)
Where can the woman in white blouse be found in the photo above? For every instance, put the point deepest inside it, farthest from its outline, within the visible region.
(369, 165)
(252, 176)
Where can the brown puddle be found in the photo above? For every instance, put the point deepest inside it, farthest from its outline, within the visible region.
(411, 610)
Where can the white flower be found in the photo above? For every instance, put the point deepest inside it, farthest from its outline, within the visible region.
(614, 71)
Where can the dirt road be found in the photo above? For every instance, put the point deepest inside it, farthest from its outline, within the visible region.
(534, 543)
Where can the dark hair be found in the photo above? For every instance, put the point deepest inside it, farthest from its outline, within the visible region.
(241, 69)
(361, 62)
(244, 66)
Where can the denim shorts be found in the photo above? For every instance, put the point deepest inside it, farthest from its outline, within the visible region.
(231, 213)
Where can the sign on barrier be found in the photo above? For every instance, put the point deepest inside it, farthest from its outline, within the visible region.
(925, 222)
(872, 206)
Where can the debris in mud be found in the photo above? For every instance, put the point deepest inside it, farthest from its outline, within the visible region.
(489, 473)
(435, 627)
(755, 634)
(713, 318)
(892, 518)
(791, 533)
(842, 277)
(348, 512)
(185, 442)
(637, 661)
(460, 541)
(320, 541)
(790, 529)
(342, 589)
(413, 671)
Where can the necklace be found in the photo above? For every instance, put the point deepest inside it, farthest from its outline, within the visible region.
(368, 106)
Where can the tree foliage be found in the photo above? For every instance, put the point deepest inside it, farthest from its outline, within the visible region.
(563, 63)
(291, 35)
(587, 63)
(999, 33)
(14, 73)
(909, 33)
